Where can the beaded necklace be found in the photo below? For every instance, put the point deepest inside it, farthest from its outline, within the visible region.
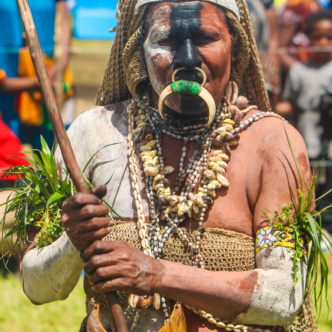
(171, 206)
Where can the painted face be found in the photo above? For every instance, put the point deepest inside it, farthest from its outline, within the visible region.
(321, 36)
(187, 34)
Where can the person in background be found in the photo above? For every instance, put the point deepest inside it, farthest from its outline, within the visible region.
(308, 82)
(307, 100)
(10, 145)
(16, 62)
(10, 153)
(263, 18)
(290, 16)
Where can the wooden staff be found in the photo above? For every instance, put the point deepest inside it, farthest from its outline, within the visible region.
(61, 135)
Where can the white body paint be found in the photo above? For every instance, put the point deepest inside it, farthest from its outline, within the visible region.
(275, 301)
(153, 52)
(51, 273)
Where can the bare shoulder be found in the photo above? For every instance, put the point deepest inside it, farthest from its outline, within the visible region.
(95, 128)
(272, 165)
(114, 115)
(274, 139)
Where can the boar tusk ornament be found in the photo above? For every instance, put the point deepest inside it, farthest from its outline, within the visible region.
(184, 87)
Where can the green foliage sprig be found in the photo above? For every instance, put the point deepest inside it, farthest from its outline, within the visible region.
(305, 224)
(37, 199)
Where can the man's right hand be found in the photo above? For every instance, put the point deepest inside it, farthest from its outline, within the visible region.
(85, 217)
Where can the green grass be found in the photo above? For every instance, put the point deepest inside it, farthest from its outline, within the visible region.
(18, 314)
(325, 318)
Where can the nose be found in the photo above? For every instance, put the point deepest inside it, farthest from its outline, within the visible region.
(187, 55)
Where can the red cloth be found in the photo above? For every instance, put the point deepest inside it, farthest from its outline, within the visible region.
(10, 146)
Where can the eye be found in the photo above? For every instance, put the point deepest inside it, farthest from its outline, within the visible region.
(169, 42)
(203, 40)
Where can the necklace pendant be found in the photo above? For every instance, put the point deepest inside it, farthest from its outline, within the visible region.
(177, 322)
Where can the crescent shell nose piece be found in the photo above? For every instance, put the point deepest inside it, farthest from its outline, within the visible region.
(188, 88)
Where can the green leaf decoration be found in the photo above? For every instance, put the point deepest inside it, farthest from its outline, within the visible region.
(294, 158)
(304, 222)
(55, 197)
(37, 199)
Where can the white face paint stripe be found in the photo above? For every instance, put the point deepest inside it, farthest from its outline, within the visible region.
(275, 301)
(152, 49)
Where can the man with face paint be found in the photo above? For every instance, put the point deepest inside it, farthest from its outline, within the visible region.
(196, 167)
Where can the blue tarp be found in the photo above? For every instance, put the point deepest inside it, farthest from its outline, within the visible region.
(93, 19)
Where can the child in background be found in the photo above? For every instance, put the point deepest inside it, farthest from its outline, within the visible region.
(291, 18)
(308, 83)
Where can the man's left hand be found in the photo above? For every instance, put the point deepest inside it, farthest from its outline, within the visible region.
(118, 265)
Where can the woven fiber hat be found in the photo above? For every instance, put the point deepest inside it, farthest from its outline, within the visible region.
(126, 73)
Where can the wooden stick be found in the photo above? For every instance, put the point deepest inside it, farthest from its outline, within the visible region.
(60, 134)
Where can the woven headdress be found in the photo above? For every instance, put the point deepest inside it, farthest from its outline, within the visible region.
(126, 73)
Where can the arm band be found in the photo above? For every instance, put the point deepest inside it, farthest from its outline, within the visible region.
(275, 300)
(51, 273)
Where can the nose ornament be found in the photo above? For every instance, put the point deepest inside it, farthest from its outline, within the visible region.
(184, 87)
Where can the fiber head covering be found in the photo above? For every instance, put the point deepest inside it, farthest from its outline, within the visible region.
(126, 74)
(229, 4)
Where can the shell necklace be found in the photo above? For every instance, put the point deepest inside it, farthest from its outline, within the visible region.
(196, 183)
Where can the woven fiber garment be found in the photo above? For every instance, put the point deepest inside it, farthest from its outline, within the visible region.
(222, 250)
(126, 73)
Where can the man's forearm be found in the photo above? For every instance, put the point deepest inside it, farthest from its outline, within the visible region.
(222, 294)
(264, 296)
(51, 273)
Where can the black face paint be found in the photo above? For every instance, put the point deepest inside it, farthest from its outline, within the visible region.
(185, 28)
(185, 25)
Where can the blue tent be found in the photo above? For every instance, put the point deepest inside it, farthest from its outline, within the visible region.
(93, 19)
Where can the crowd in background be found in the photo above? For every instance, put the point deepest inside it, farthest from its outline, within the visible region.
(294, 39)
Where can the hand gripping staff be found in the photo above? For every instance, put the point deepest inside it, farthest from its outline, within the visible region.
(61, 135)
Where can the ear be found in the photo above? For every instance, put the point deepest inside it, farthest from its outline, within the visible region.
(233, 58)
